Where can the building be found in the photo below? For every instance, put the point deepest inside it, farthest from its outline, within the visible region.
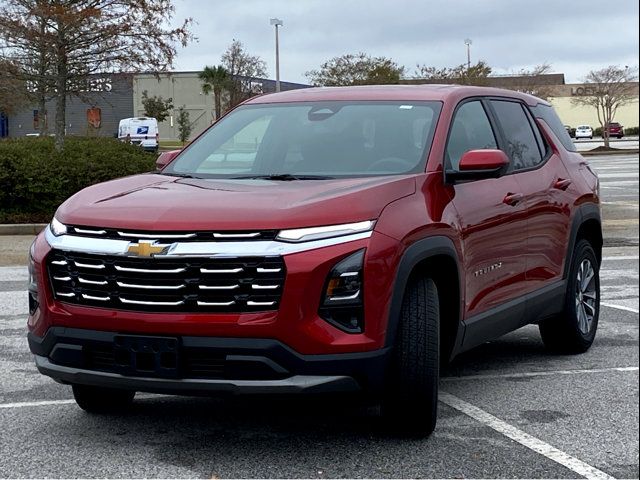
(107, 99)
(96, 111)
(185, 89)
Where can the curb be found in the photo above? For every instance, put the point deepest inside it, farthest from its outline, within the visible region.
(21, 228)
(589, 153)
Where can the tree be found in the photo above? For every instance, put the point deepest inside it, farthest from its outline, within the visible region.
(184, 125)
(61, 44)
(243, 69)
(528, 81)
(156, 107)
(216, 80)
(606, 90)
(13, 91)
(462, 74)
(356, 69)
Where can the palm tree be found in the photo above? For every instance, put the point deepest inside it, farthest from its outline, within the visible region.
(215, 79)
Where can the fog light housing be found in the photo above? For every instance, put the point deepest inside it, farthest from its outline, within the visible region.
(32, 287)
(342, 302)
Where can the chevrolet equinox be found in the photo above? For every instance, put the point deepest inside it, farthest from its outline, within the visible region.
(323, 240)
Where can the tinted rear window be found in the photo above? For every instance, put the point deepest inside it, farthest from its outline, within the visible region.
(549, 115)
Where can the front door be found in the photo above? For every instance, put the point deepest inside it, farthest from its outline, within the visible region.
(492, 222)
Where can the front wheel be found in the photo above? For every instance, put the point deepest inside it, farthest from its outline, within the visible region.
(574, 330)
(411, 398)
(102, 400)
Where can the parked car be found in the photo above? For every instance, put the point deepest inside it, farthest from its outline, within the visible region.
(142, 131)
(614, 129)
(583, 131)
(570, 131)
(374, 233)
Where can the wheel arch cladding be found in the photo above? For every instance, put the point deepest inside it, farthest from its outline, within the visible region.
(586, 225)
(437, 258)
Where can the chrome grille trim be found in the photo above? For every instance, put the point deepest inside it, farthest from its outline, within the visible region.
(221, 270)
(93, 297)
(149, 270)
(255, 248)
(150, 287)
(236, 235)
(138, 283)
(90, 282)
(148, 302)
(268, 270)
(215, 304)
(89, 232)
(88, 265)
(218, 287)
(156, 235)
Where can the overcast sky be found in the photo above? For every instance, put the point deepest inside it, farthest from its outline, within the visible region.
(574, 36)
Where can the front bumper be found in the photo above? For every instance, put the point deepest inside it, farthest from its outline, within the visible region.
(203, 365)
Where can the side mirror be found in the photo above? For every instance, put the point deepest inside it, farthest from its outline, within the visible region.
(479, 164)
(166, 158)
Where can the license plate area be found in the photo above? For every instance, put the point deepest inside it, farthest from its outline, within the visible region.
(147, 356)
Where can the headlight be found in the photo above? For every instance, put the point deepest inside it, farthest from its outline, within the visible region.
(33, 283)
(342, 302)
(318, 233)
(57, 228)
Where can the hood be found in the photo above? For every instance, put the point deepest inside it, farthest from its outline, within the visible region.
(162, 202)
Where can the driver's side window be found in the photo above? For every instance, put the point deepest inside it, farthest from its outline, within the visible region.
(470, 130)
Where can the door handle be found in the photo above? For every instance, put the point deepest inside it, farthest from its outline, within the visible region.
(562, 183)
(512, 198)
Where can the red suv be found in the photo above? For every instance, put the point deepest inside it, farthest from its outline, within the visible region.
(324, 240)
(614, 129)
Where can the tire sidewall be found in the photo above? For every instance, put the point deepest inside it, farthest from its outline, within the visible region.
(584, 251)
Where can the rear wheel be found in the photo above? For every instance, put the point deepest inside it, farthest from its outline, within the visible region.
(411, 398)
(102, 400)
(574, 330)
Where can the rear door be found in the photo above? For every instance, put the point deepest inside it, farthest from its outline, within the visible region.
(492, 224)
(546, 186)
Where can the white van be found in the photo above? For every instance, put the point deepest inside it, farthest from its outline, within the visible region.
(141, 131)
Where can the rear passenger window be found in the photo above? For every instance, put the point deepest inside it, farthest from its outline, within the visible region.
(470, 130)
(522, 145)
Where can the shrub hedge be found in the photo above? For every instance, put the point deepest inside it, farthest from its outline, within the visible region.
(35, 179)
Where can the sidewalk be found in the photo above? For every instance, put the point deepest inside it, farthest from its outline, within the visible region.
(14, 249)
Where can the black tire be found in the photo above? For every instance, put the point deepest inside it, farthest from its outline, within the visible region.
(102, 400)
(566, 332)
(410, 403)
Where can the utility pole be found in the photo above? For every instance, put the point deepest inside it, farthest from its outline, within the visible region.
(468, 42)
(276, 22)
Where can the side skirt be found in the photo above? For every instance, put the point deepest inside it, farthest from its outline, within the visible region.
(530, 308)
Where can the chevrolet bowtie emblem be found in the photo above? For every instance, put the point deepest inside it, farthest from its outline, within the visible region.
(145, 248)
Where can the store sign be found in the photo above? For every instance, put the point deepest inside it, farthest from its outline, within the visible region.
(585, 91)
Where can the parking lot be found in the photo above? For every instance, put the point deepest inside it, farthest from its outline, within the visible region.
(508, 408)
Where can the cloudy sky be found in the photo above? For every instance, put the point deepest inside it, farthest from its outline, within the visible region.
(574, 36)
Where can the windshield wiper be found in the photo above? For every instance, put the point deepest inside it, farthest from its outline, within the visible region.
(283, 177)
(181, 175)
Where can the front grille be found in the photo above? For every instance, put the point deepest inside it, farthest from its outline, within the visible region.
(197, 236)
(245, 284)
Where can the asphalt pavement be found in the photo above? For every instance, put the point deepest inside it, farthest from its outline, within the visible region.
(508, 409)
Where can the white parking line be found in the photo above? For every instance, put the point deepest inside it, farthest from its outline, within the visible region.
(620, 307)
(36, 404)
(523, 438)
(621, 257)
(540, 374)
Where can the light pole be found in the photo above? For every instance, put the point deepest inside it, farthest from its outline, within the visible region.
(468, 42)
(276, 22)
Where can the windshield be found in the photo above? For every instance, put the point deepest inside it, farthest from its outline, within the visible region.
(308, 140)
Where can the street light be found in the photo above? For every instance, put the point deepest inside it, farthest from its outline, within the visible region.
(468, 42)
(276, 22)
